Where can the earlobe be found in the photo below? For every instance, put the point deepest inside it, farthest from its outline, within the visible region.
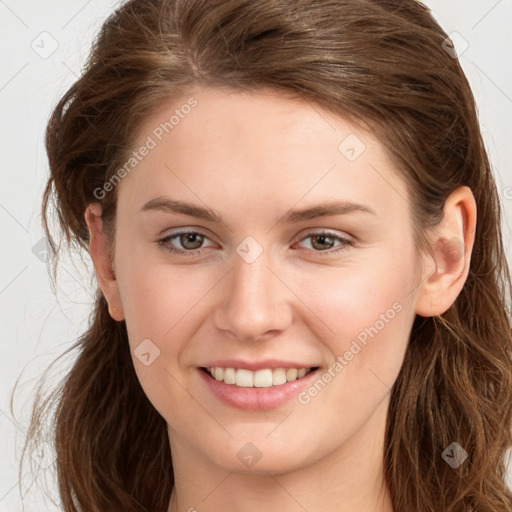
(98, 249)
(451, 248)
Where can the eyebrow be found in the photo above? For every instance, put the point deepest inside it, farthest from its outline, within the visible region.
(326, 209)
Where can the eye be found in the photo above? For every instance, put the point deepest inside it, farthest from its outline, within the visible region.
(190, 242)
(323, 241)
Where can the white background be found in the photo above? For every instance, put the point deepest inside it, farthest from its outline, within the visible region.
(35, 325)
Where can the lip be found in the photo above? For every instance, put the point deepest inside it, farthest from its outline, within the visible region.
(257, 365)
(256, 399)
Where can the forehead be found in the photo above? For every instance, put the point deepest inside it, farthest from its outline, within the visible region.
(248, 118)
(243, 148)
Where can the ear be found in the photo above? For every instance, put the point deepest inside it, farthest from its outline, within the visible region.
(451, 244)
(100, 256)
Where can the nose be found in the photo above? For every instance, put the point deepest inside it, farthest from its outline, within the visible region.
(255, 301)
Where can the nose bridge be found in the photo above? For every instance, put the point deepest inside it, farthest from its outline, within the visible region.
(255, 301)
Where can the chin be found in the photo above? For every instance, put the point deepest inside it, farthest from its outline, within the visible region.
(261, 456)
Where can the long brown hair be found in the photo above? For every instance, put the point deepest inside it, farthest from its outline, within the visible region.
(382, 62)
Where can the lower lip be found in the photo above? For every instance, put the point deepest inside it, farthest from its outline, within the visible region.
(256, 399)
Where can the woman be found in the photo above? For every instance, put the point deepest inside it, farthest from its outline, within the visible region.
(301, 279)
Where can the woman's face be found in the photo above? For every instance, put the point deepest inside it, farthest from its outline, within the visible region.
(299, 254)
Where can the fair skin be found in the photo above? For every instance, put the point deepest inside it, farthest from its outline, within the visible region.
(251, 158)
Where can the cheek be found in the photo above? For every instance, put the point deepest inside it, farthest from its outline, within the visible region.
(368, 309)
(371, 314)
(159, 304)
(158, 299)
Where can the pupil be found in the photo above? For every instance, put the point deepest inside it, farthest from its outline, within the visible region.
(321, 239)
(192, 239)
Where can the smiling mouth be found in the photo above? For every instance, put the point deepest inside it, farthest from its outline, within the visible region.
(264, 378)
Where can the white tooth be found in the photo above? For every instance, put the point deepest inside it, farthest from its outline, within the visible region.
(229, 376)
(291, 374)
(263, 378)
(244, 378)
(278, 376)
(259, 379)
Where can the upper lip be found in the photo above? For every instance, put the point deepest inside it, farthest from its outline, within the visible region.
(257, 365)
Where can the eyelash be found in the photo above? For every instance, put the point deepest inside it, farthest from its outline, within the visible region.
(345, 243)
